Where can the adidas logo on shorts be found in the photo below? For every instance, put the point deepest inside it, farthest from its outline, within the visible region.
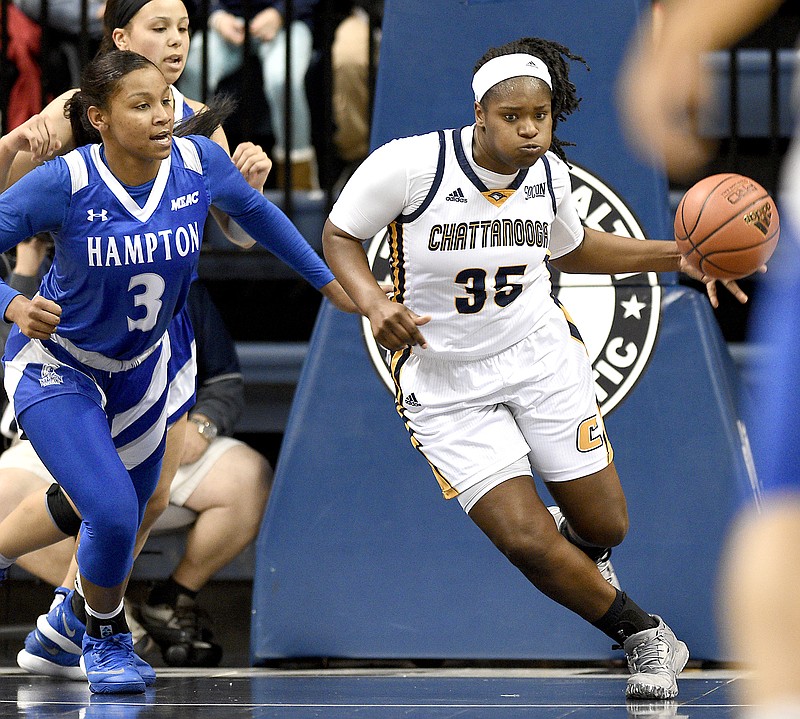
(456, 196)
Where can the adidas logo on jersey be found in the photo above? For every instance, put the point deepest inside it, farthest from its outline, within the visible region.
(180, 202)
(91, 215)
(456, 196)
(50, 376)
(411, 401)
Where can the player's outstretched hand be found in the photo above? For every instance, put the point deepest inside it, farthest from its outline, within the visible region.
(394, 326)
(253, 163)
(37, 136)
(711, 283)
(37, 318)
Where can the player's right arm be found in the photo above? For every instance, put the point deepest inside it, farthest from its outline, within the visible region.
(57, 139)
(393, 325)
(664, 81)
(375, 195)
(22, 215)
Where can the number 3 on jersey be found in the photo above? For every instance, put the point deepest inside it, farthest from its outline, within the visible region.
(474, 281)
(150, 299)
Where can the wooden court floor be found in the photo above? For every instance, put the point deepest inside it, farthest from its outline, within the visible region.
(232, 693)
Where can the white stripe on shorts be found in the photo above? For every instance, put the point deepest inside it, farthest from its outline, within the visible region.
(154, 391)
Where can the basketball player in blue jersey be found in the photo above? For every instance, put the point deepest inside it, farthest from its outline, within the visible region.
(760, 607)
(87, 364)
(491, 384)
(157, 29)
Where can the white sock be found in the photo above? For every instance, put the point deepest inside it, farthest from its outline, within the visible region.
(101, 615)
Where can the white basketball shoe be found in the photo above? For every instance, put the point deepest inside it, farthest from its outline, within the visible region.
(655, 658)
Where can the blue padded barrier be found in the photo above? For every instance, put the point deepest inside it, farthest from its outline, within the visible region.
(360, 556)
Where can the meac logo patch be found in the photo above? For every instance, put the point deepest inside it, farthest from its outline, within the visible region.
(618, 316)
(179, 203)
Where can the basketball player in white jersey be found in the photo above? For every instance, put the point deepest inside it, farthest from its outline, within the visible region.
(492, 380)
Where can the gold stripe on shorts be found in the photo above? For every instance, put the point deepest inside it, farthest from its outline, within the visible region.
(399, 358)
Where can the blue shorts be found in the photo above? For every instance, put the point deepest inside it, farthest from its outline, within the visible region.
(141, 397)
(133, 394)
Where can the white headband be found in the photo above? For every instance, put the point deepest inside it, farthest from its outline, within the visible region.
(504, 67)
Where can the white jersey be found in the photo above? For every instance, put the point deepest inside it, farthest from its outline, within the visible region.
(468, 246)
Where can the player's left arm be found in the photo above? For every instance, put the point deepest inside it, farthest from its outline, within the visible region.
(266, 223)
(255, 166)
(606, 253)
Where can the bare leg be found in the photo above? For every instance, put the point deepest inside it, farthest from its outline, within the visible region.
(594, 506)
(230, 503)
(50, 563)
(103, 599)
(28, 528)
(516, 520)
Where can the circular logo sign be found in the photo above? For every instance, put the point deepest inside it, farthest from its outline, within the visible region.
(617, 315)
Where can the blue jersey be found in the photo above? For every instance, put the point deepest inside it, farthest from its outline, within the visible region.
(125, 256)
(121, 270)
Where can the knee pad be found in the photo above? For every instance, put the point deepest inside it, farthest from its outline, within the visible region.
(61, 511)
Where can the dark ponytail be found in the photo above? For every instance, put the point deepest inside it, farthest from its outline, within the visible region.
(218, 109)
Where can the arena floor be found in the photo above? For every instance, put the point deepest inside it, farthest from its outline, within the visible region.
(376, 693)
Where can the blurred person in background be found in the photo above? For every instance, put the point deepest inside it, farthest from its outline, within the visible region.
(664, 85)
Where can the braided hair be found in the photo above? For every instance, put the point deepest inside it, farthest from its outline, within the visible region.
(556, 57)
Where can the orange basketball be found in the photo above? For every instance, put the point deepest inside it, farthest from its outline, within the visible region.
(727, 226)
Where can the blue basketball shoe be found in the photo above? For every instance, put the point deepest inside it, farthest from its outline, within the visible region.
(110, 665)
(54, 648)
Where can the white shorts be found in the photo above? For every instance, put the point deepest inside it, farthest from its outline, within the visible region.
(22, 456)
(473, 418)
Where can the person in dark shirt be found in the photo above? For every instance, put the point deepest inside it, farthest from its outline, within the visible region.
(262, 21)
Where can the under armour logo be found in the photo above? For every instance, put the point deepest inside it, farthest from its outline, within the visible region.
(91, 215)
